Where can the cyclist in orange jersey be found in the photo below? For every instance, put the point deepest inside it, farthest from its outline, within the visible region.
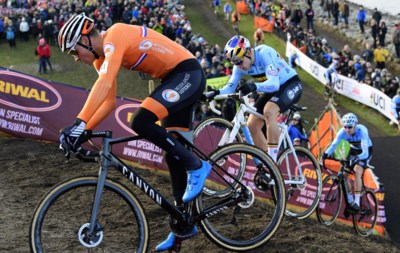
(182, 82)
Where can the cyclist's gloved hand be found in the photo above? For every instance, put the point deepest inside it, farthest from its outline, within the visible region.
(210, 93)
(324, 156)
(247, 87)
(71, 137)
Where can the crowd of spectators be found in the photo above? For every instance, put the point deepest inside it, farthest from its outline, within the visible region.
(31, 19)
(369, 67)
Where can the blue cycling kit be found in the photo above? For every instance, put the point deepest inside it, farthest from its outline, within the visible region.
(269, 70)
(359, 141)
(396, 106)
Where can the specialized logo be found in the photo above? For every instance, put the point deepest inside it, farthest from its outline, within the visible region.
(27, 93)
(108, 49)
(123, 115)
(170, 95)
(145, 45)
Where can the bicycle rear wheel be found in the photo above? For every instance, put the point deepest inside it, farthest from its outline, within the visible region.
(208, 135)
(302, 191)
(62, 217)
(252, 222)
(331, 200)
(365, 220)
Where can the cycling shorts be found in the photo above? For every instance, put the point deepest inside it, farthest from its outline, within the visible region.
(363, 163)
(288, 94)
(172, 101)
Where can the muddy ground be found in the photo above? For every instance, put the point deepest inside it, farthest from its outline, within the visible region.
(31, 168)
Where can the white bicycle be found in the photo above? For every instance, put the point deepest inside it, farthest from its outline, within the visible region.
(299, 167)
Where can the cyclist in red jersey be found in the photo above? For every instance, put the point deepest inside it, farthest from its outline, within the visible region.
(182, 82)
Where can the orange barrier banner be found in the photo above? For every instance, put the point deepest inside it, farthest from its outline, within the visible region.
(264, 24)
(242, 7)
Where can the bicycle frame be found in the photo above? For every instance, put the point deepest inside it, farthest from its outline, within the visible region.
(239, 123)
(108, 159)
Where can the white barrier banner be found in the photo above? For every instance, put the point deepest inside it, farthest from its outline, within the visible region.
(345, 86)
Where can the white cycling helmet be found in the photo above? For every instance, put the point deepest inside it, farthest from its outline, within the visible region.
(349, 119)
(236, 48)
(72, 31)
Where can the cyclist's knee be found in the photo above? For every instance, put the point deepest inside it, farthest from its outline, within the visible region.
(141, 119)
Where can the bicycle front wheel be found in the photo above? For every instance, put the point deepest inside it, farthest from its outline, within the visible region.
(209, 135)
(62, 218)
(331, 200)
(303, 181)
(365, 220)
(253, 221)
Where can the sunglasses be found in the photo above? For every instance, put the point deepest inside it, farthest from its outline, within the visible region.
(348, 127)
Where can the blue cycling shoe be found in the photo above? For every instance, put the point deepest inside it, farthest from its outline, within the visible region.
(195, 181)
(168, 243)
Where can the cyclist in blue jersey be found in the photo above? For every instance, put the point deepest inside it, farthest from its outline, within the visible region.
(359, 155)
(279, 83)
(396, 107)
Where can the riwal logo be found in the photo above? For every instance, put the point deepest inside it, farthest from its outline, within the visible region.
(38, 95)
(123, 115)
(145, 45)
(170, 95)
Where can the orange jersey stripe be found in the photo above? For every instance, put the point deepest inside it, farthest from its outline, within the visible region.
(155, 107)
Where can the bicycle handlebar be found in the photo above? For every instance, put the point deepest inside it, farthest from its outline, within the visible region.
(86, 155)
(237, 96)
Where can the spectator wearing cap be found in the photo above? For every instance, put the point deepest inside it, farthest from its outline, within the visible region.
(309, 13)
(396, 39)
(24, 29)
(43, 52)
(382, 30)
(360, 74)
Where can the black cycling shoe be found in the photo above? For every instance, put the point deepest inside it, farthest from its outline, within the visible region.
(354, 207)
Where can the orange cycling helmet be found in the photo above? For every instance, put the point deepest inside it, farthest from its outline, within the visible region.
(72, 31)
(236, 48)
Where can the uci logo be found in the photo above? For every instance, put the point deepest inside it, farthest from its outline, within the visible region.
(339, 83)
(377, 100)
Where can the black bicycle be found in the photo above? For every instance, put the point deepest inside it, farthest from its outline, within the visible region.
(333, 189)
(96, 213)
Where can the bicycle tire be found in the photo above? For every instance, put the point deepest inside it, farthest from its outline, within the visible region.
(206, 136)
(302, 199)
(331, 200)
(251, 224)
(65, 211)
(365, 220)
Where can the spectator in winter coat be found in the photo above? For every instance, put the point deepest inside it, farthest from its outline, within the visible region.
(396, 39)
(382, 30)
(24, 29)
(43, 52)
(361, 18)
(309, 13)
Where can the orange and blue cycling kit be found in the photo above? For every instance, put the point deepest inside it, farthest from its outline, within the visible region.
(141, 49)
